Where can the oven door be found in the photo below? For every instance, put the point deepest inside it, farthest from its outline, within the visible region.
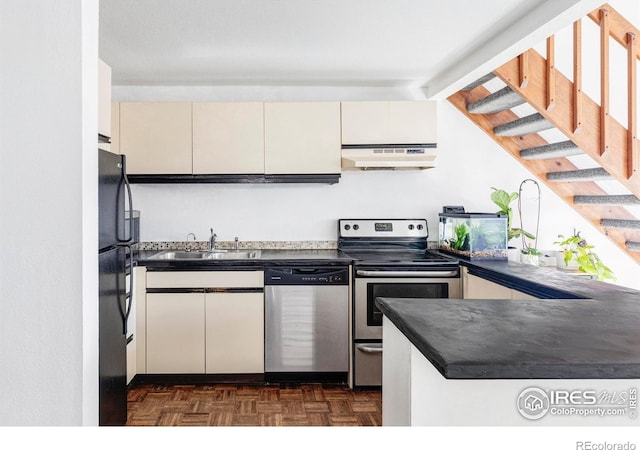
(372, 284)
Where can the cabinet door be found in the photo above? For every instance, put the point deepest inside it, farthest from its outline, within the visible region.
(115, 127)
(156, 137)
(412, 122)
(175, 333)
(228, 138)
(365, 123)
(302, 138)
(140, 336)
(235, 333)
(479, 288)
(519, 295)
(104, 99)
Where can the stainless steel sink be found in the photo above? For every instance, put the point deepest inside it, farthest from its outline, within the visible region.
(205, 255)
(177, 254)
(232, 254)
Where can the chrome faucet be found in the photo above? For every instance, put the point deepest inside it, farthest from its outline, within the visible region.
(212, 241)
(236, 243)
(187, 247)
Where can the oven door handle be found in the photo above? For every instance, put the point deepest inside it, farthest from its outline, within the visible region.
(408, 273)
(371, 348)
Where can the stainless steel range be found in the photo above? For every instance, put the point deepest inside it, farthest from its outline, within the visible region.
(390, 260)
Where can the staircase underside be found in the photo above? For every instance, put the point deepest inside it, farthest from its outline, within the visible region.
(595, 202)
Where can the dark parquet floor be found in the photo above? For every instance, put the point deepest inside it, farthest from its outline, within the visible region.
(252, 405)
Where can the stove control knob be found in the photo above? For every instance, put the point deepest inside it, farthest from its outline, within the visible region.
(420, 227)
(411, 226)
(347, 227)
(356, 227)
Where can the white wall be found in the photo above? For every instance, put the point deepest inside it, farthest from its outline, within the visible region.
(48, 204)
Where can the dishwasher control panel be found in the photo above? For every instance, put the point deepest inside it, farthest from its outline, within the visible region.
(306, 276)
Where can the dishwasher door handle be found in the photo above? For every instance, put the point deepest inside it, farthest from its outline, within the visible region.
(369, 348)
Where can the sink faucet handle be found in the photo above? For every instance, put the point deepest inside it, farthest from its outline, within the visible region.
(212, 240)
(236, 243)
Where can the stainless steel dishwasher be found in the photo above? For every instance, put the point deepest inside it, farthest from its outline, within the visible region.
(306, 324)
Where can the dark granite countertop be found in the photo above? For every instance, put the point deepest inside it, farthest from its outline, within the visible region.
(547, 282)
(267, 257)
(522, 339)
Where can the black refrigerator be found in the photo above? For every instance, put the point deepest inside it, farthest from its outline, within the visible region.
(114, 302)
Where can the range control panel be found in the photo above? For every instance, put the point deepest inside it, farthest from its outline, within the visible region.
(395, 228)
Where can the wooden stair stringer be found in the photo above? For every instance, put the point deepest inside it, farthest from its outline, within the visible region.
(587, 138)
(566, 191)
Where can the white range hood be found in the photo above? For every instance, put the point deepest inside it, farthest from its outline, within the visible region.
(388, 156)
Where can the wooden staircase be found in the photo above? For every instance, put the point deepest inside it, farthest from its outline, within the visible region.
(587, 125)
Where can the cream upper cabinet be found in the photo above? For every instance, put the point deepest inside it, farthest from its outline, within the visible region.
(104, 99)
(115, 127)
(413, 122)
(402, 122)
(365, 122)
(228, 138)
(156, 137)
(302, 138)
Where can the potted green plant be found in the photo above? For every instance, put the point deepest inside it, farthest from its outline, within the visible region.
(530, 255)
(577, 253)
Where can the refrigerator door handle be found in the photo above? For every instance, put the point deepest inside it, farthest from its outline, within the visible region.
(130, 201)
(130, 300)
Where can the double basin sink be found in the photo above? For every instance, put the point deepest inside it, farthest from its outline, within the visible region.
(207, 254)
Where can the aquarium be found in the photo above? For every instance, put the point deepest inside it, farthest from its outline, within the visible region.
(473, 235)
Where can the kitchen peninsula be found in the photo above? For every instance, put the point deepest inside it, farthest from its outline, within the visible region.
(572, 360)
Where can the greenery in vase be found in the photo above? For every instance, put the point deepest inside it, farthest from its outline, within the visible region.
(531, 251)
(576, 247)
(503, 200)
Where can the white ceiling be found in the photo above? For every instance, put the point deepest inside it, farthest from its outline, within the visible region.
(299, 42)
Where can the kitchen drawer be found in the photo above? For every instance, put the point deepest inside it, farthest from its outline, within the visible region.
(368, 364)
(217, 279)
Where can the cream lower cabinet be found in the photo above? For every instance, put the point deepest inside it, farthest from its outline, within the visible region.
(216, 328)
(135, 324)
(302, 138)
(235, 332)
(474, 287)
(175, 333)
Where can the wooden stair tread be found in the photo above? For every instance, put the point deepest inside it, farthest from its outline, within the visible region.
(596, 173)
(606, 200)
(522, 126)
(551, 151)
(505, 98)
